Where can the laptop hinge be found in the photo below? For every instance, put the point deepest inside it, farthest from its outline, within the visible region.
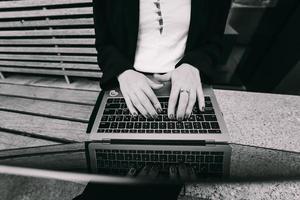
(106, 141)
(210, 143)
(158, 142)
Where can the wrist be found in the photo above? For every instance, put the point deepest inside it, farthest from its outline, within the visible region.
(189, 66)
(123, 73)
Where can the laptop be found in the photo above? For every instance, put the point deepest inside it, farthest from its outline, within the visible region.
(111, 120)
(121, 141)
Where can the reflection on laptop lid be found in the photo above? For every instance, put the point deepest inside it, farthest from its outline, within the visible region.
(190, 162)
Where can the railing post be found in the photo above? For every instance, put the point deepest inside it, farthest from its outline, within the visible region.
(1, 76)
(63, 69)
(66, 76)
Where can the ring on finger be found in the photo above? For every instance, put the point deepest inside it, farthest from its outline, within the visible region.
(185, 90)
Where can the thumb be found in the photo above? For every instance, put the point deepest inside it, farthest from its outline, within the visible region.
(154, 85)
(163, 77)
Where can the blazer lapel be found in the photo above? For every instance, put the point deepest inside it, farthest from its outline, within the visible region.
(132, 8)
(197, 21)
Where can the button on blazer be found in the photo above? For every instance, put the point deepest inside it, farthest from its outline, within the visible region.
(117, 25)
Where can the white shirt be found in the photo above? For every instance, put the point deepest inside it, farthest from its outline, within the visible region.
(159, 52)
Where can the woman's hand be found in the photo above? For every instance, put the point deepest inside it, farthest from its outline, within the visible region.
(186, 89)
(138, 94)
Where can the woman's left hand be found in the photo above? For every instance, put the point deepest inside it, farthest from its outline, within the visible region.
(186, 89)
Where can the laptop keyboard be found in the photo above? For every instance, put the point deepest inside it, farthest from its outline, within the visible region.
(117, 119)
(118, 161)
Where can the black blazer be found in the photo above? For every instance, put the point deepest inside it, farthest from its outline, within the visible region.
(117, 24)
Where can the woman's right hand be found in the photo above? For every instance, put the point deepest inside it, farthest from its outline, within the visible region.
(138, 93)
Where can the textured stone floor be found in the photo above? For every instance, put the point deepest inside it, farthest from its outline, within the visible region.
(23, 188)
(287, 190)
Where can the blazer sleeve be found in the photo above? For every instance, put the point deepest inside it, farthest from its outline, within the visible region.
(111, 61)
(206, 56)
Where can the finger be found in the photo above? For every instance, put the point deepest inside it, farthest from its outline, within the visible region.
(151, 95)
(173, 173)
(129, 104)
(192, 101)
(135, 101)
(144, 172)
(163, 77)
(154, 85)
(183, 172)
(173, 101)
(192, 173)
(144, 100)
(131, 172)
(182, 105)
(153, 172)
(200, 98)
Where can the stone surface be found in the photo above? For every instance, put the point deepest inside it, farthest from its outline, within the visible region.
(266, 190)
(260, 119)
(25, 188)
(263, 120)
(263, 164)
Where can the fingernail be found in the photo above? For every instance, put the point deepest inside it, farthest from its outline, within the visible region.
(180, 119)
(134, 114)
(159, 110)
(171, 116)
(132, 172)
(148, 115)
(202, 108)
(172, 169)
